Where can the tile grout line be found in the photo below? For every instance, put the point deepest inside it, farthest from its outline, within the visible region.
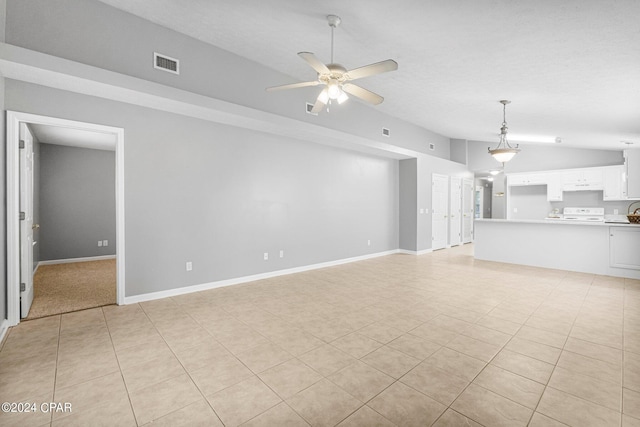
(562, 350)
(180, 362)
(489, 362)
(55, 377)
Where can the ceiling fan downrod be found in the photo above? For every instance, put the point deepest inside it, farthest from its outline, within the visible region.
(333, 21)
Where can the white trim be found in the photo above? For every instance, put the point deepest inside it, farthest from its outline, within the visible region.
(70, 260)
(4, 328)
(408, 252)
(212, 285)
(13, 223)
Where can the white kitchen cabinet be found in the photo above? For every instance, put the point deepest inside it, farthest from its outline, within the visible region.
(583, 179)
(554, 187)
(632, 162)
(624, 247)
(526, 179)
(614, 183)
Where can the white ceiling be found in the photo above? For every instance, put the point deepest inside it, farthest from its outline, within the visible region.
(571, 68)
(70, 137)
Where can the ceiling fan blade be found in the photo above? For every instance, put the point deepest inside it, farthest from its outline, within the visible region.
(293, 86)
(372, 69)
(362, 93)
(315, 63)
(320, 102)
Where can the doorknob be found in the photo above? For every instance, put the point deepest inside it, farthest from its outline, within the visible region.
(35, 226)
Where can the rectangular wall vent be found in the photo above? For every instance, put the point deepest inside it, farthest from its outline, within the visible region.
(309, 108)
(432, 146)
(166, 63)
(386, 132)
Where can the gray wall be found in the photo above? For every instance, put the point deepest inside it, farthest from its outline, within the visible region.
(220, 196)
(77, 202)
(458, 149)
(94, 33)
(408, 204)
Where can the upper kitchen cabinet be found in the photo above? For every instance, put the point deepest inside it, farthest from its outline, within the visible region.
(526, 179)
(632, 162)
(614, 183)
(554, 187)
(583, 179)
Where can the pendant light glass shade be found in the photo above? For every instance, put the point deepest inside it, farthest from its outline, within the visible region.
(504, 151)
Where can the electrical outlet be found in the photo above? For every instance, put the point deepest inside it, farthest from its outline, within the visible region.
(99, 243)
(266, 256)
(105, 243)
(515, 210)
(615, 211)
(281, 253)
(189, 266)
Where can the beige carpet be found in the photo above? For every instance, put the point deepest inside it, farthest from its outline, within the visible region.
(62, 288)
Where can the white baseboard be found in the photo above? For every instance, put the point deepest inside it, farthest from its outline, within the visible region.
(212, 285)
(70, 260)
(422, 252)
(4, 328)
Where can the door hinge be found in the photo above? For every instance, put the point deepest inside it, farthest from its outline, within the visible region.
(21, 143)
(22, 216)
(23, 287)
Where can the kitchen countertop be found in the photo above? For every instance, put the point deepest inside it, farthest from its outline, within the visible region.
(558, 222)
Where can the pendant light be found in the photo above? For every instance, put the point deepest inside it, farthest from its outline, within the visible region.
(504, 151)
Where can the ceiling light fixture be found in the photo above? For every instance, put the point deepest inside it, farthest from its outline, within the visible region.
(337, 80)
(494, 172)
(504, 151)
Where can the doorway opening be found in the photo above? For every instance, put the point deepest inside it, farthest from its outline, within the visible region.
(63, 138)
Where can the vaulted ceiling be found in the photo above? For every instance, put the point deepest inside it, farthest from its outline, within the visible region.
(571, 68)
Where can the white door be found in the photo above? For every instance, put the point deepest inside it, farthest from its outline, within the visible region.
(467, 210)
(439, 211)
(26, 224)
(455, 211)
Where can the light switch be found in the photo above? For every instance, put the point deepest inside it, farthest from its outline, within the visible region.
(99, 243)
(422, 211)
(105, 243)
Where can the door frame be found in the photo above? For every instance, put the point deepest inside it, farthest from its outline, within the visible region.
(14, 119)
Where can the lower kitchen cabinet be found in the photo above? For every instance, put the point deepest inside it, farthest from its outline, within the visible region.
(624, 247)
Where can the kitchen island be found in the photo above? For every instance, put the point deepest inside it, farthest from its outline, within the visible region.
(588, 247)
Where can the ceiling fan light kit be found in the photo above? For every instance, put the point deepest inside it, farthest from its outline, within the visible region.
(336, 78)
(504, 151)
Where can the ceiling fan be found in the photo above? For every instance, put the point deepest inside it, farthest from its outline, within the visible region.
(337, 79)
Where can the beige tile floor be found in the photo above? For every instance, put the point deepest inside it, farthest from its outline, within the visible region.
(438, 339)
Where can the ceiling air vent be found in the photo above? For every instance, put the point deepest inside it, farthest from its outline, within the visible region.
(166, 63)
(386, 132)
(309, 108)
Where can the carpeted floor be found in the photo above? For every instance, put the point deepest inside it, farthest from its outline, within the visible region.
(62, 288)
